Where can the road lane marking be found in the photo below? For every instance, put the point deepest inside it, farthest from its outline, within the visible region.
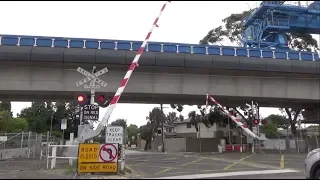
(169, 158)
(225, 174)
(230, 170)
(237, 162)
(192, 162)
(252, 164)
(165, 170)
(132, 171)
(187, 169)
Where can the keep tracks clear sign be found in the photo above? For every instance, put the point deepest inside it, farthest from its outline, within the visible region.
(114, 135)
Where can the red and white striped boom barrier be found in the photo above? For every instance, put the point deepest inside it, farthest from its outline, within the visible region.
(86, 134)
(236, 120)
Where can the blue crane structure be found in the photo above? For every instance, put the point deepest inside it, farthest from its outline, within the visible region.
(267, 26)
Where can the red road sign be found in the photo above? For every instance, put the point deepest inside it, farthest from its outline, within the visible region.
(109, 149)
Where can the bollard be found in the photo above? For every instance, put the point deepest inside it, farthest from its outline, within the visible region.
(282, 162)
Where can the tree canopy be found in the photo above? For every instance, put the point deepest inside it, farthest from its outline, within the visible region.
(120, 122)
(154, 120)
(39, 117)
(179, 108)
(231, 29)
(270, 129)
(214, 115)
(132, 132)
(279, 121)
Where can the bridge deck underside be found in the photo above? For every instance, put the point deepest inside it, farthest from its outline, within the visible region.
(158, 99)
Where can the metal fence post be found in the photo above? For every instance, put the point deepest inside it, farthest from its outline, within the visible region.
(4, 144)
(47, 150)
(29, 144)
(41, 148)
(53, 157)
(35, 146)
(21, 145)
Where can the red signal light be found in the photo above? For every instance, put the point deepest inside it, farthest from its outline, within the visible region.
(256, 121)
(264, 122)
(80, 98)
(101, 98)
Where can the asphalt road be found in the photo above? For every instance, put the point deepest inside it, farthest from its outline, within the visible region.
(226, 166)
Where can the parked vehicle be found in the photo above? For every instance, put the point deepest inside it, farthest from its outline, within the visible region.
(312, 164)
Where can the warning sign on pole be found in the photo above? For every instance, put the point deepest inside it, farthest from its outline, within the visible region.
(97, 158)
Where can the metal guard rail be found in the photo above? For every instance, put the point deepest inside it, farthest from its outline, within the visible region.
(33, 41)
(54, 156)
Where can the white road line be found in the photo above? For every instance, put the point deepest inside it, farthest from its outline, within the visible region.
(240, 173)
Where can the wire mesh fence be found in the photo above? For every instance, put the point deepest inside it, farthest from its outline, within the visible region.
(34, 143)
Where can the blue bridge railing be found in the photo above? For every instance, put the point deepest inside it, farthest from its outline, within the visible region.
(59, 42)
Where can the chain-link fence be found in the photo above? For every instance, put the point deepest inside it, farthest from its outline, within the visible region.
(35, 143)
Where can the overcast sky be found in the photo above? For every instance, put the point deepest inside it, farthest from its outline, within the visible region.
(183, 22)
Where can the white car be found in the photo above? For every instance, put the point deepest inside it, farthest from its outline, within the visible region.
(312, 164)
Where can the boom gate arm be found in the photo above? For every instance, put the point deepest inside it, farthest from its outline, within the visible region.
(87, 131)
(236, 120)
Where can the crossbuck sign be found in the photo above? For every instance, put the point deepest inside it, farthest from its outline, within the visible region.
(92, 78)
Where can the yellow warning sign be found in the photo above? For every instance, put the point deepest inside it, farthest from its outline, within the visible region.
(97, 158)
(88, 153)
(97, 167)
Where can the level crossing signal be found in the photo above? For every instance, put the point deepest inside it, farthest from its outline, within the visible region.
(82, 99)
(256, 121)
(101, 99)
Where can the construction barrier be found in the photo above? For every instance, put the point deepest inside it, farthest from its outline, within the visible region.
(236, 147)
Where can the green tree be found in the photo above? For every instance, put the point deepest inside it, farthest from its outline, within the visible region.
(231, 29)
(155, 119)
(171, 118)
(208, 119)
(270, 129)
(293, 115)
(65, 110)
(17, 125)
(120, 122)
(279, 120)
(6, 106)
(145, 132)
(132, 131)
(4, 119)
(40, 116)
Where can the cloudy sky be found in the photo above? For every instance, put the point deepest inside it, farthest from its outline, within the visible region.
(184, 22)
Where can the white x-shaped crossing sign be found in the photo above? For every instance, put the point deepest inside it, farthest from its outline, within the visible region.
(91, 78)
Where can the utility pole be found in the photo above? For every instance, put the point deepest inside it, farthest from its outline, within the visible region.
(252, 127)
(92, 91)
(162, 129)
(51, 119)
